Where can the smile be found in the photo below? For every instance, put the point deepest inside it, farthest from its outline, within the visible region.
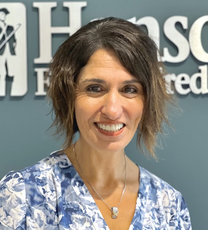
(110, 128)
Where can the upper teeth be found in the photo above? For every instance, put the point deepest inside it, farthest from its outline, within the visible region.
(111, 128)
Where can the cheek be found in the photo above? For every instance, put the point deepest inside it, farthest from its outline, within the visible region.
(83, 111)
(80, 113)
(137, 117)
(87, 106)
(137, 111)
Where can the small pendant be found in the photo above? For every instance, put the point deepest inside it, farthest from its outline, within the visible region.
(114, 212)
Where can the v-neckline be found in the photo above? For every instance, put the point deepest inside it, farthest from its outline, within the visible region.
(86, 197)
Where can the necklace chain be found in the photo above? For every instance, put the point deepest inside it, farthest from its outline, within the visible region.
(114, 210)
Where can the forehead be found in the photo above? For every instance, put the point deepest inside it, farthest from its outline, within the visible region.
(104, 58)
(103, 64)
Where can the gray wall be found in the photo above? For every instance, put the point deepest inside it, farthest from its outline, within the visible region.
(183, 160)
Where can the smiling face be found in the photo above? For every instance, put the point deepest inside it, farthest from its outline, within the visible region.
(109, 103)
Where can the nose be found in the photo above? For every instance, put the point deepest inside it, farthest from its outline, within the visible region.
(112, 105)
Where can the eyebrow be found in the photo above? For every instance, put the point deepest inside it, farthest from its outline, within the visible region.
(100, 81)
(94, 80)
(131, 81)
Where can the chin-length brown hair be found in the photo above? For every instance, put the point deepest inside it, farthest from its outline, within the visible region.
(136, 52)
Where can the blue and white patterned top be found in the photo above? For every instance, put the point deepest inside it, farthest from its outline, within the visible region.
(51, 195)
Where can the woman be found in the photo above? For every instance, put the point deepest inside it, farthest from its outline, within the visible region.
(106, 83)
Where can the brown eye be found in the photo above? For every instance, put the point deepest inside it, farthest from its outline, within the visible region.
(94, 88)
(130, 89)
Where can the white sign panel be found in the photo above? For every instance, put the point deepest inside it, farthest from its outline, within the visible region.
(13, 54)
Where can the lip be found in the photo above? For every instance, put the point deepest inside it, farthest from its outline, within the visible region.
(110, 133)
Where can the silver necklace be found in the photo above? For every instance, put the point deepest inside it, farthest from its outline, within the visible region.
(114, 210)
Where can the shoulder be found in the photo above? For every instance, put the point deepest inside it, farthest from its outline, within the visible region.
(166, 200)
(55, 163)
(29, 187)
(156, 188)
(49, 165)
(155, 182)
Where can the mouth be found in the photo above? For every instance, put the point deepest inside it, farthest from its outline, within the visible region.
(110, 127)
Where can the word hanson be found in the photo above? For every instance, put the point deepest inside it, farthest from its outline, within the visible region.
(183, 83)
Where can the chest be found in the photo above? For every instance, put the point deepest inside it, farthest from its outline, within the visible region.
(126, 211)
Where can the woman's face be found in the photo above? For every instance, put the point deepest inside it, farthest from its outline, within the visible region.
(109, 103)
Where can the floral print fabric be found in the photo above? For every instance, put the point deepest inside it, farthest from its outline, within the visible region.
(51, 195)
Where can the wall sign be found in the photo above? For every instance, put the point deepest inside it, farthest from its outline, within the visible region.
(13, 48)
(13, 59)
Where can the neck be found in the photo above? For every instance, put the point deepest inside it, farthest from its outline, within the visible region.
(100, 167)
